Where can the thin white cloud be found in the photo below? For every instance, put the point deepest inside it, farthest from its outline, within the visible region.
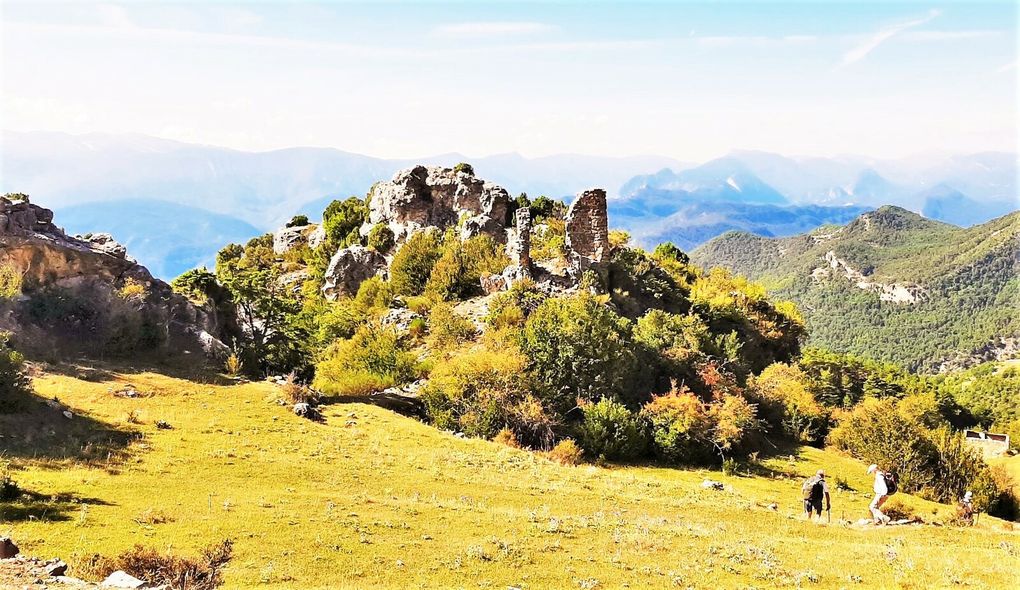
(493, 29)
(871, 43)
(1006, 68)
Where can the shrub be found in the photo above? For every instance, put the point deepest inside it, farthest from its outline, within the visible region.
(374, 293)
(580, 349)
(339, 319)
(132, 289)
(610, 431)
(544, 209)
(669, 251)
(481, 392)
(680, 427)
(513, 306)
(447, 329)
(297, 393)
(381, 238)
(566, 452)
(465, 168)
(372, 360)
(341, 222)
(508, 438)
(10, 281)
(785, 403)
(618, 238)
(197, 284)
(549, 241)
(458, 271)
(735, 423)
(298, 221)
(418, 327)
(201, 573)
(233, 365)
(13, 380)
(413, 263)
(9, 489)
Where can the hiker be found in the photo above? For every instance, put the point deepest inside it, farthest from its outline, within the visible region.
(814, 490)
(885, 486)
(966, 509)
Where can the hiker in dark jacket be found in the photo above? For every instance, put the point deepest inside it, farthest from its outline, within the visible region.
(816, 489)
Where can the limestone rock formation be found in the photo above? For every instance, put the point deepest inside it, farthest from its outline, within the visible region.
(587, 238)
(287, 238)
(87, 296)
(434, 196)
(317, 237)
(350, 267)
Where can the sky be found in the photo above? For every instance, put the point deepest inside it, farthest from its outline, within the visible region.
(401, 79)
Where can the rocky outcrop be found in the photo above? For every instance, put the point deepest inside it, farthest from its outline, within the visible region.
(908, 293)
(587, 237)
(439, 197)
(85, 295)
(288, 238)
(350, 267)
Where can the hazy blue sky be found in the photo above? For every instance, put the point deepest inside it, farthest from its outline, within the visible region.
(689, 80)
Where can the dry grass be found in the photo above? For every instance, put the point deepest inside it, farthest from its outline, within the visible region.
(370, 499)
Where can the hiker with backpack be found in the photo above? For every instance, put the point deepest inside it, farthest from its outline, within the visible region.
(885, 486)
(814, 490)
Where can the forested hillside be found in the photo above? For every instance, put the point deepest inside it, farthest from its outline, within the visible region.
(891, 284)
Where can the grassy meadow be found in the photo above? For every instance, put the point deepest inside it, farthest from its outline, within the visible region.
(372, 499)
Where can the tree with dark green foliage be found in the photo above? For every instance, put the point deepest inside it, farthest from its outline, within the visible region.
(298, 221)
(413, 263)
(544, 208)
(580, 349)
(266, 311)
(341, 222)
(381, 238)
(669, 251)
(465, 168)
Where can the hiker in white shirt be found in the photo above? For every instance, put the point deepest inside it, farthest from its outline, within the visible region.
(881, 495)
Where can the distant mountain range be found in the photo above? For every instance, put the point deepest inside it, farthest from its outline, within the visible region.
(235, 194)
(890, 284)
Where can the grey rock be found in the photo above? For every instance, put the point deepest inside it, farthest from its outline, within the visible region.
(122, 579)
(55, 567)
(435, 196)
(350, 267)
(317, 237)
(103, 242)
(712, 485)
(288, 238)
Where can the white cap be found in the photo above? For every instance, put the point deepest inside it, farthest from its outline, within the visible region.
(872, 469)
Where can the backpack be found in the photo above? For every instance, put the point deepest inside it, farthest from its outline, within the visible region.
(890, 483)
(813, 489)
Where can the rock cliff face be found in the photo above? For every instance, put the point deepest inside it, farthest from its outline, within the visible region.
(85, 295)
(433, 196)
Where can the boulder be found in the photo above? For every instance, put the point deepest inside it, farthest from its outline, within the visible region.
(7, 548)
(122, 579)
(435, 196)
(55, 567)
(587, 228)
(103, 242)
(350, 267)
(708, 484)
(317, 237)
(288, 238)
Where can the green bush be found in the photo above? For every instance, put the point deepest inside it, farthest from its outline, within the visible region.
(481, 392)
(610, 431)
(13, 381)
(10, 281)
(298, 221)
(680, 428)
(458, 271)
(413, 263)
(341, 222)
(513, 306)
(374, 293)
(381, 238)
(465, 168)
(447, 329)
(668, 250)
(9, 489)
(581, 349)
(786, 404)
(372, 360)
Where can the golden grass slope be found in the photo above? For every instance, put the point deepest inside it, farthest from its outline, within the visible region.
(370, 499)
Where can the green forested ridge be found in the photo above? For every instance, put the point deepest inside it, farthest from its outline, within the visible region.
(969, 277)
